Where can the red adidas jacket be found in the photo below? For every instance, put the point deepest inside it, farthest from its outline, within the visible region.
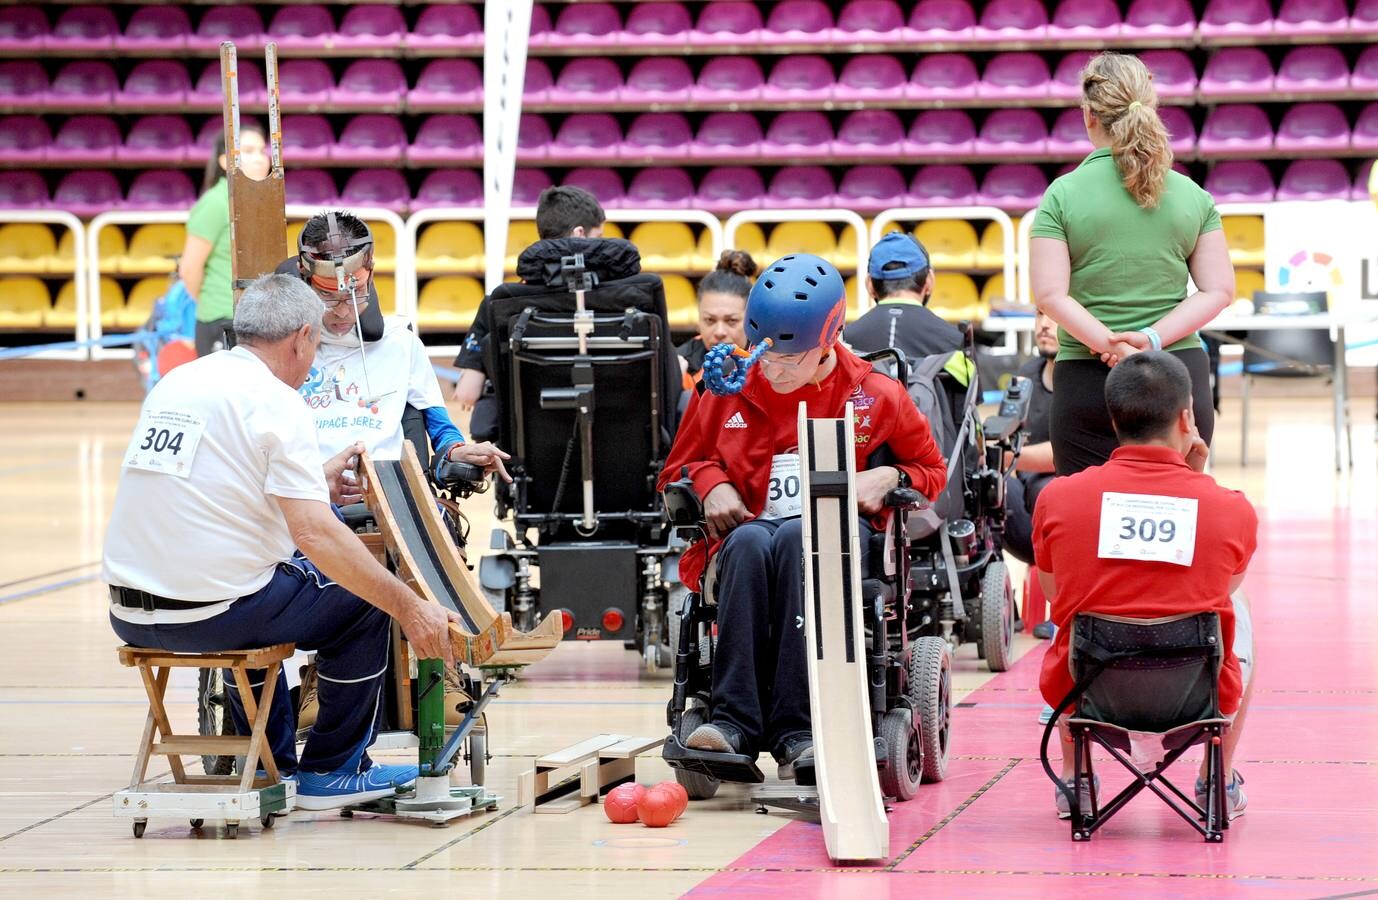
(764, 423)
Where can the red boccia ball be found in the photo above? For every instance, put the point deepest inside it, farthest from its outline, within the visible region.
(657, 807)
(621, 803)
(680, 793)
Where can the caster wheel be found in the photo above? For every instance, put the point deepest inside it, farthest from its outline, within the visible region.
(266, 820)
(197, 823)
(139, 827)
(232, 830)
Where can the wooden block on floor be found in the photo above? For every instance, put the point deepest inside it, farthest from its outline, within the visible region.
(603, 762)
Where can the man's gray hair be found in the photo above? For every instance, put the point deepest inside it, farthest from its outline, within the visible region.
(275, 307)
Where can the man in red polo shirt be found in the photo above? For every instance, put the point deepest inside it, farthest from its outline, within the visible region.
(1092, 555)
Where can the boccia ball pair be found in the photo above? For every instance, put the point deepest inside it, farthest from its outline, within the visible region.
(655, 807)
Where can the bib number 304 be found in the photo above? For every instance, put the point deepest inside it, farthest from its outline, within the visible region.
(1148, 527)
(165, 442)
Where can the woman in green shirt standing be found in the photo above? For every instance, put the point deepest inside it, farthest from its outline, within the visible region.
(205, 263)
(1112, 245)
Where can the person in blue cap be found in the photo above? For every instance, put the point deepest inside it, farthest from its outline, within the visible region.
(738, 442)
(900, 277)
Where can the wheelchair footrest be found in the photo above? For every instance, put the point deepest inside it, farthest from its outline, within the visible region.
(737, 768)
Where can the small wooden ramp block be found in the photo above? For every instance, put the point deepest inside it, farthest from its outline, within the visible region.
(576, 776)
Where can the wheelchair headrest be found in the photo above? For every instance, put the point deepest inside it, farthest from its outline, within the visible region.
(608, 259)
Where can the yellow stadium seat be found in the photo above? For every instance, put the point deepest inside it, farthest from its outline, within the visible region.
(64, 311)
(65, 262)
(704, 260)
(955, 298)
(520, 235)
(681, 301)
(110, 248)
(450, 247)
(849, 288)
(386, 287)
(1244, 235)
(664, 246)
(750, 239)
(26, 248)
(612, 230)
(802, 237)
(991, 252)
(449, 302)
(1246, 281)
(293, 233)
(138, 306)
(845, 257)
(993, 291)
(384, 247)
(153, 247)
(24, 301)
(951, 243)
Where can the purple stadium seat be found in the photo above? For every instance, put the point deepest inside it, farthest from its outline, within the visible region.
(85, 139)
(1240, 181)
(724, 23)
(23, 139)
(1313, 17)
(1235, 129)
(1068, 136)
(165, 189)
(1321, 68)
(450, 187)
(90, 29)
(371, 28)
(1180, 129)
(22, 83)
(240, 24)
(946, 21)
(541, 27)
(376, 82)
(659, 136)
(660, 188)
(443, 139)
(1081, 19)
(304, 82)
(1365, 17)
(870, 189)
(533, 138)
(1360, 189)
(1012, 20)
(157, 83)
(311, 187)
(1234, 71)
(657, 25)
(864, 78)
(88, 193)
(1365, 136)
(1313, 126)
(1014, 76)
(252, 88)
(1364, 78)
(942, 186)
(587, 80)
(161, 28)
(728, 190)
(384, 188)
(23, 190)
(158, 139)
(304, 27)
(587, 136)
(22, 28)
(586, 25)
(371, 139)
(1314, 179)
(1173, 73)
(1012, 132)
(83, 85)
(605, 184)
(450, 26)
(527, 185)
(1159, 19)
(801, 187)
(871, 22)
(729, 78)
(659, 79)
(941, 132)
(799, 22)
(205, 138)
(535, 87)
(871, 132)
(444, 82)
(728, 135)
(805, 78)
(1066, 83)
(1237, 18)
(944, 76)
(799, 134)
(1013, 187)
(306, 140)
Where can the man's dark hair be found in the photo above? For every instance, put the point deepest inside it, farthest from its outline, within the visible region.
(317, 228)
(562, 209)
(1145, 393)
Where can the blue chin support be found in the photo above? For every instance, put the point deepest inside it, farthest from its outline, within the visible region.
(734, 381)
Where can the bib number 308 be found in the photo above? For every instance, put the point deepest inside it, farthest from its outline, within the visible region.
(165, 442)
(1148, 527)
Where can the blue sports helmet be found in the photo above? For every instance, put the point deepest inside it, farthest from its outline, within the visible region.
(799, 302)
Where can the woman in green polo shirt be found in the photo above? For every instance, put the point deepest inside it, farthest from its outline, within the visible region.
(1113, 243)
(205, 261)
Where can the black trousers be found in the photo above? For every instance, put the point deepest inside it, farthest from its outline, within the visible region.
(1021, 494)
(1081, 431)
(217, 334)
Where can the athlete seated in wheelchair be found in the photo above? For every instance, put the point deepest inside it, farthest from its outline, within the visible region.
(732, 481)
(587, 383)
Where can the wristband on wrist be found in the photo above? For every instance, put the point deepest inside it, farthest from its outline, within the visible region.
(1153, 339)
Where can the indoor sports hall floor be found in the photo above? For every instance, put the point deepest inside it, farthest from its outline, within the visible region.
(70, 716)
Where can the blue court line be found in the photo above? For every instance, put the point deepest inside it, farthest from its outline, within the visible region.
(47, 588)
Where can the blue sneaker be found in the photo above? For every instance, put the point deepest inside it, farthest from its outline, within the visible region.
(332, 790)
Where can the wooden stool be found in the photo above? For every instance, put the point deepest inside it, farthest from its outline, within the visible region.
(199, 797)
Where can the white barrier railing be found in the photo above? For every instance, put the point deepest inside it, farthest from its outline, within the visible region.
(956, 213)
(777, 216)
(72, 224)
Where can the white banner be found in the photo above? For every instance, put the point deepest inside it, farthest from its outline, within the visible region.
(506, 32)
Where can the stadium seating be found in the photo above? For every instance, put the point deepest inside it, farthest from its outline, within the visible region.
(26, 249)
(798, 134)
(533, 139)
(658, 80)
(944, 76)
(1313, 69)
(152, 249)
(444, 83)
(1082, 19)
(372, 83)
(1313, 127)
(1236, 71)
(870, 21)
(660, 188)
(1244, 237)
(945, 21)
(728, 135)
(446, 139)
(138, 305)
(1236, 19)
(446, 27)
(370, 28)
(85, 139)
(801, 187)
(1314, 179)
(941, 133)
(449, 247)
(955, 298)
(1360, 191)
(1313, 17)
(22, 28)
(161, 29)
(1240, 181)
(158, 140)
(799, 78)
(727, 23)
(63, 313)
(657, 136)
(155, 189)
(1364, 78)
(990, 253)
(665, 245)
(87, 193)
(82, 85)
(1066, 80)
(870, 132)
(943, 186)
(23, 83)
(1013, 187)
(24, 139)
(448, 302)
(1238, 129)
(1365, 134)
(951, 243)
(728, 190)
(24, 301)
(1068, 136)
(605, 184)
(1180, 129)
(799, 22)
(527, 186)
(449, 187)
(1014, 76)
(1012, 132)
(1174, 76)
(370, 139)
(729, 79)
(84, 29)
(240, 24)
(871, 189)
(876, 78)
(587, 81)
(657, 25)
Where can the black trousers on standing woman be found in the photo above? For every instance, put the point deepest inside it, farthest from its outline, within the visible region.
(1081, 431)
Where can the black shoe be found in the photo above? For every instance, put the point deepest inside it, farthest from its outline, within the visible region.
(796, 752)
(1044, 631)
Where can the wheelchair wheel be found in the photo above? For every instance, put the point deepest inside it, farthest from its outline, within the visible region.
(213, 718)
(930, 692)
(699, 787)
(903, 754)
(997, 616)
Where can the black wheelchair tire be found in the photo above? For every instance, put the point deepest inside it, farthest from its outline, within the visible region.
(213, 719)
(903, 754)
(697, 786)
(997, 616)
(930, 692)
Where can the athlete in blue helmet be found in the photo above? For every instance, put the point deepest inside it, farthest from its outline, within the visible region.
(738, 442)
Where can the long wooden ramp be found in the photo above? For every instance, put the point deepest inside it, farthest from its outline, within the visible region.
(399, 495)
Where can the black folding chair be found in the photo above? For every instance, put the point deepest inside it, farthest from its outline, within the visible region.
(1145, 683)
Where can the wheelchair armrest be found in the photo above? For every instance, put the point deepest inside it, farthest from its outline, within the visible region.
(356, 516)
(683, 507)
(904, 498)
(461, 477)
(1013, 411)
(1001, 428)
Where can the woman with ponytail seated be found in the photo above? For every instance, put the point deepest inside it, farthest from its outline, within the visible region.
(1113, 243)
(722, 312)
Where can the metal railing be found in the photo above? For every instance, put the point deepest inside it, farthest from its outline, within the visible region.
(779, 216)
(80, 287)
(956, 213)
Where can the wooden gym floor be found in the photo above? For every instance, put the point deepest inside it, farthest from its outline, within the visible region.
(70, 717)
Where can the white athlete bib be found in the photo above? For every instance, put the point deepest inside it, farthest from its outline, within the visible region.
(782, 494)
(165, 441)
(1147, 527)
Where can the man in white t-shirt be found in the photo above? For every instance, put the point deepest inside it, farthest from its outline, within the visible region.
(222, 537)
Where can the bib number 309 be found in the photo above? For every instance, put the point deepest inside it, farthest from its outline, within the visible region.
(165, 442)
(1148, 527)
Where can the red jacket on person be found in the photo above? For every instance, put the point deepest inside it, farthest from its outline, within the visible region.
(733, 438)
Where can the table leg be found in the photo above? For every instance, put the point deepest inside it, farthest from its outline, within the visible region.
(1341, 387)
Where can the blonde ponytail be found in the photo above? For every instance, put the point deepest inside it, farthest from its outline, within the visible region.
(1117, 90)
